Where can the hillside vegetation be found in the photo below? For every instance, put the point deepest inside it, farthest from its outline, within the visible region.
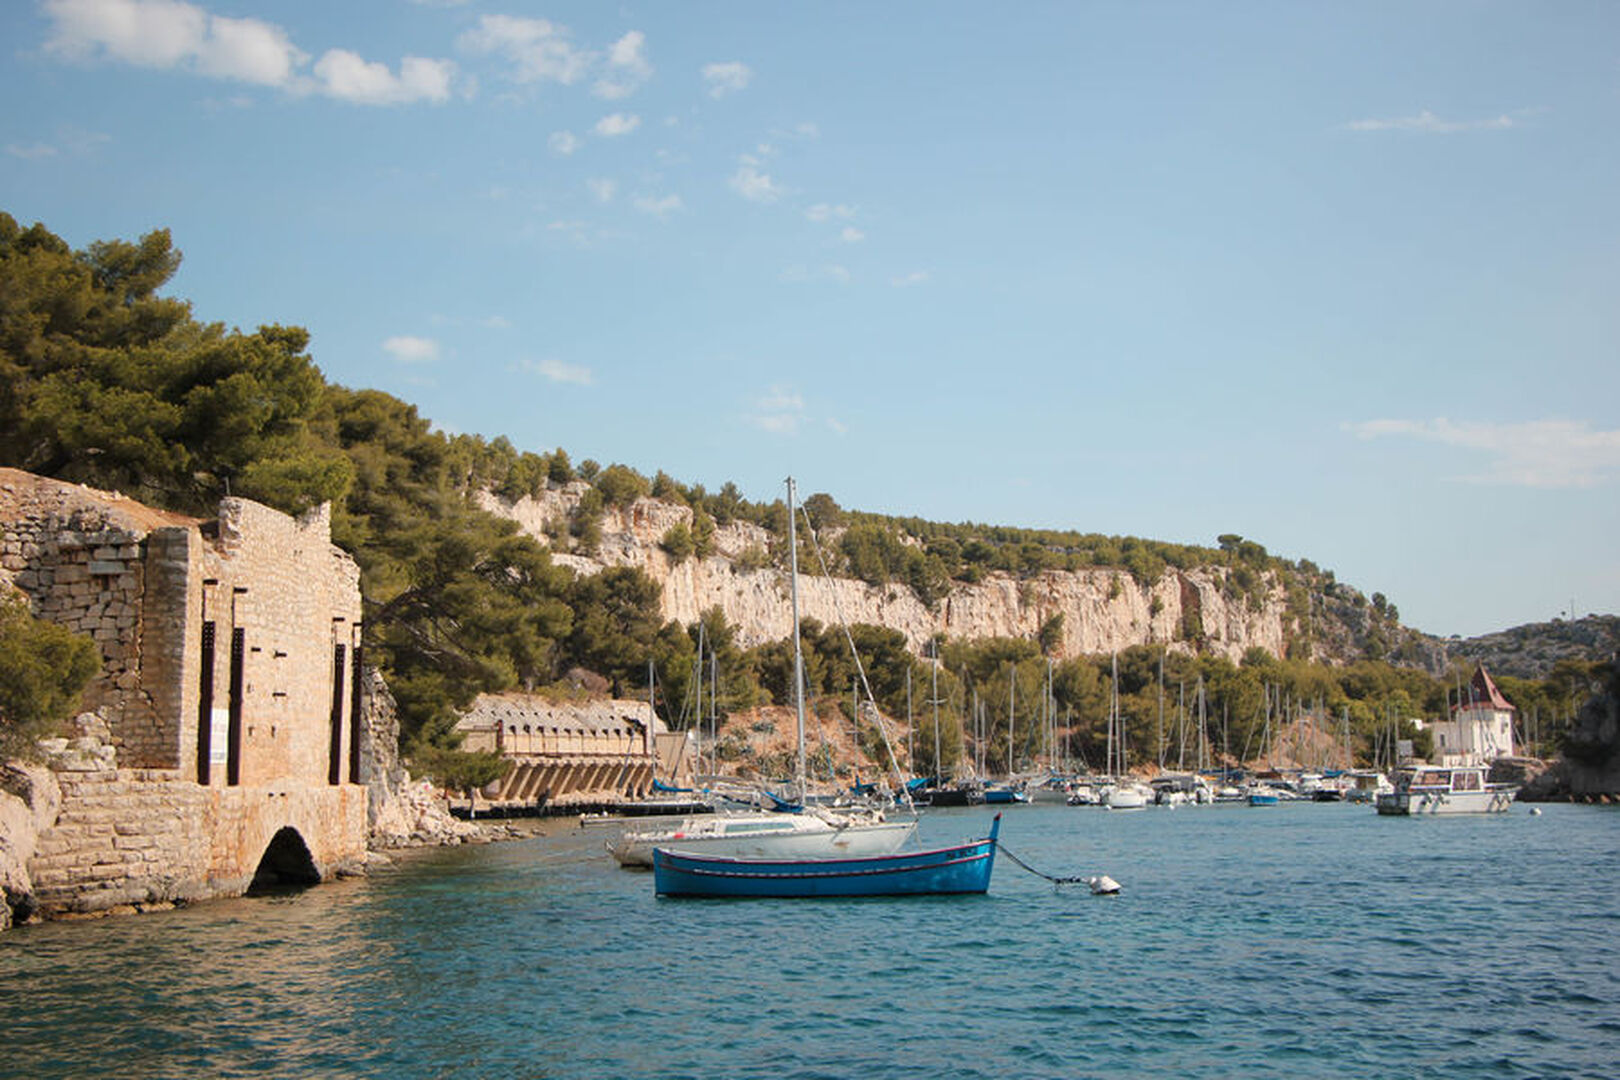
(105, 382)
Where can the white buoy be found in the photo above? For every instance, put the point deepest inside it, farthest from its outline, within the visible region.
(1535, 811)
(1103, 885)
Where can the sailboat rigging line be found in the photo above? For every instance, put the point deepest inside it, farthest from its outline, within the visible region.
(1024, 865)
(860, 668)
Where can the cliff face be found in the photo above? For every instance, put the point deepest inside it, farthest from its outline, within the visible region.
(1589, 767)
(1103, 610)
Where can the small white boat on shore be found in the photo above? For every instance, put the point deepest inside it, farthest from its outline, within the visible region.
(1457, 789)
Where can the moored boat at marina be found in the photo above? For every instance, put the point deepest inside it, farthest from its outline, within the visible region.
(814, 831)
(1127, 794)
(961, 868)
(1456, 789)
(794, 829)
(1365, 785)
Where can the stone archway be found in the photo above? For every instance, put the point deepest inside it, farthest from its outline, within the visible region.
(286, 864)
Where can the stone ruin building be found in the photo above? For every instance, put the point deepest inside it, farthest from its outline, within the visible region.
(599, 752)
(225, 741)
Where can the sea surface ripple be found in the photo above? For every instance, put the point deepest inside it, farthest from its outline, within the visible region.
(1293, 941)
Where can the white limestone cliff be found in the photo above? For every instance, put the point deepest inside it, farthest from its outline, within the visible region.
(1103, 609)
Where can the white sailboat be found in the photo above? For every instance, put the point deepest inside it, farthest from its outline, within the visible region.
(1123, 792)
(808, 833)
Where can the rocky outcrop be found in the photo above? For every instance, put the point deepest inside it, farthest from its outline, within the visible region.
(1588, 770)
(400, 812)
(1103, 609)
(29, 802)
(1532, 650)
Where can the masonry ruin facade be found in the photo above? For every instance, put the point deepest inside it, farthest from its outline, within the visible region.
(227, 727)
(597, 752)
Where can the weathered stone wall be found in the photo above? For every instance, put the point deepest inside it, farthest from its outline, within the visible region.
(77, 556)
(170, 791)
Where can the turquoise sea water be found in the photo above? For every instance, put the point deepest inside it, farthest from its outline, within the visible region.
(1294, 941)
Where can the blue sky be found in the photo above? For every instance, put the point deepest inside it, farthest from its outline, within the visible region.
(1341, 278)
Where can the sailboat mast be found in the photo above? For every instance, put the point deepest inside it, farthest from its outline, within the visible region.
(798, 649)
(911, 727)
(933, 695)
(1158, 731)
(1012, 681)
(697, 711)
(1113, 711)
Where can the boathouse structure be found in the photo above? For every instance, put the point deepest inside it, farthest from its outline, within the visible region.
(596, 752)
(224, 742)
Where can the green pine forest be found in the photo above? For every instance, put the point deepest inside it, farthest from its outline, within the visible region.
(105, 382)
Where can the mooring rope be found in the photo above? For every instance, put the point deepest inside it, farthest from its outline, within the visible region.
(1054, 880)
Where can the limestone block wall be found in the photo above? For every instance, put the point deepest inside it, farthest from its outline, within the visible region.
(295, 599)
(78, 556)
(230, 706)
(147, 836)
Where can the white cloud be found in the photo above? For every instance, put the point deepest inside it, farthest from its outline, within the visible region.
(1535, 453)
(172, 34)
(495, 322)
(779, 410)
(915, 277)
(349, 77)
(602, 189)
(151, 33)
(823, 212)
(726, 78)
(617, 124)
(799, 274)
(412, 350)
(1428, 123)
(851, 235)
(627, 67)
(538, 49)
(838, 427)
(754, 185)
(658, 207)
(563, 143)
(249, 50)
(559, 372)
(31, 151)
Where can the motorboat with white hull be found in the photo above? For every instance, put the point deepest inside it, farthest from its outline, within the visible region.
(1457, 789)
(813, 833)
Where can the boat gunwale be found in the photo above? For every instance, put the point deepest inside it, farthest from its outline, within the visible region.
(741, 870)
(753, 869)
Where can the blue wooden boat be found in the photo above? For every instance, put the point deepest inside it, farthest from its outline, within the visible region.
(964, 868)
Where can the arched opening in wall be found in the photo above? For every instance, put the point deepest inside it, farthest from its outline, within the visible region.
(286, 864)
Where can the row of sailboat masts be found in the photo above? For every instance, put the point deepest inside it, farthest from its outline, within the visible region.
(1201, 747)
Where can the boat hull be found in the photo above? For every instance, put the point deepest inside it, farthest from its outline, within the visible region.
(1414, 804)
(964, 868)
